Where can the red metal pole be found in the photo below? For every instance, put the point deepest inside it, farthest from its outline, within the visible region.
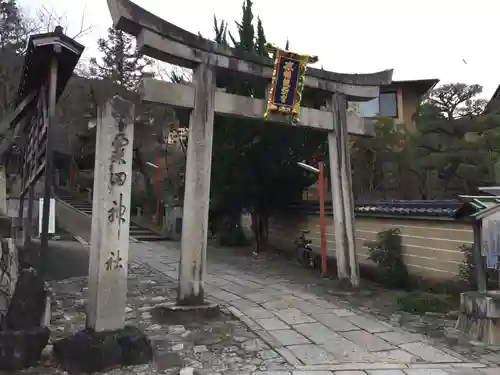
(322, 224)
(158, 191)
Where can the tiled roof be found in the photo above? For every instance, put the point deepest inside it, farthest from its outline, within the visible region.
(407, 208)
(410, 208)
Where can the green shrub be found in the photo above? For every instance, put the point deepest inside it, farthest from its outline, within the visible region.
(468, 270)
(232, 237)
(386, 253)
(418, 302)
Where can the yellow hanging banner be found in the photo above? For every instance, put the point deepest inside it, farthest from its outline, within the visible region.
(285, 94)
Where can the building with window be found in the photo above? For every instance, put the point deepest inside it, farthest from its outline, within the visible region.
(398, 100)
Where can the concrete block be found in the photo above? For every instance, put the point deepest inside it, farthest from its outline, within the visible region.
(316, 332)
(293, 316)
(335, 323)
(367, 341)
(289, 337)
(481, 304)
(272, 324)
(479, 316)
(312, 354)
(429, 353)
(370, 325)
(398, 338)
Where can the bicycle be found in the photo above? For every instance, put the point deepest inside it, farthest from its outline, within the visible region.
(304, 253)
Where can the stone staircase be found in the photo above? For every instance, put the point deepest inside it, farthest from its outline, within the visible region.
(137, 232)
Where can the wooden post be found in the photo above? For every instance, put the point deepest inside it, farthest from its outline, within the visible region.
(478, 259)
(28, 226)
(111, 216)
(19, 236)
(322, 224)
(48, 103)
(197, 189)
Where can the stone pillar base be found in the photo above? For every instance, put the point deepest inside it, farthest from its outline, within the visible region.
(173, 313)
(480, 316)
(90, 352)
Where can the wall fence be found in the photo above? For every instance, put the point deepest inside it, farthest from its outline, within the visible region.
(431, 237)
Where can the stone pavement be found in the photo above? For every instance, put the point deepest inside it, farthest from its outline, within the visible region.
(221, 344)
(312, 333)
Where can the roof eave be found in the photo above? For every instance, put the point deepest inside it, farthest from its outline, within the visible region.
(424, 86)
(39, 52)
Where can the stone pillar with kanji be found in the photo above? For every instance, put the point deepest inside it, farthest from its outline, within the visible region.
(111, 216)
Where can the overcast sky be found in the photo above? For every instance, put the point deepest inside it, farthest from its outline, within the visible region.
(418, 38)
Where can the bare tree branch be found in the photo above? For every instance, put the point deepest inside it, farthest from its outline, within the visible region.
(47, 19)
(173, 73)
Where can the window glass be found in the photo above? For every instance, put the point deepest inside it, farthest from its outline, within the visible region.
(388, 104)
(368, 109)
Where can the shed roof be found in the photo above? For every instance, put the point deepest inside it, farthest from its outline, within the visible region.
(478, 207)
(438, 209)
(40, 52)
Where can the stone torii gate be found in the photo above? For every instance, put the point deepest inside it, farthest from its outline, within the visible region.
(164, 41)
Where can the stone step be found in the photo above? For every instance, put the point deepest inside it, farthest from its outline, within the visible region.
(151, 238)
(136, 231)
(139, 231)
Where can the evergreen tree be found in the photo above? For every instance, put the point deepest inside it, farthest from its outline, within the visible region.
(370, 158)
(261, 39)
(12, 31)
(13, 37)
(220, 31)
(455, 139)
(246, 31)
(125, 67)
(255, 163)
(121, 62)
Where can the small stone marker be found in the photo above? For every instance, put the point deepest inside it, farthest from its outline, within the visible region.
(111, 216)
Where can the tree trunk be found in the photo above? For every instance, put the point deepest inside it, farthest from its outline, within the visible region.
(260, 231)
(255, 231)
(228, 229)
(265, 230)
